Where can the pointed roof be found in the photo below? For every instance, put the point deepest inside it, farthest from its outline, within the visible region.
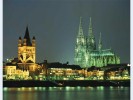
(19, 38)
(90, 27)
(90, 22)
(80, 27)
(91, 37)
(33, 38)
(91, 34)
(100, 42)
(27, 37)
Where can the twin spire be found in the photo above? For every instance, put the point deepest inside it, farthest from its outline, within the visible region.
(81, 29)
(91, 39)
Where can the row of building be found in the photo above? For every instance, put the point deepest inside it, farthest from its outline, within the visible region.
(58, 71)
(90, 63)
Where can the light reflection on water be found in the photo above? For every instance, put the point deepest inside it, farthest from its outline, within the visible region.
(67, 93)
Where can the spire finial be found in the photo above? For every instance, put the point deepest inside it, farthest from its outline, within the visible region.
(27, 28)
(90, 19)
(80, 20)
(90, 25)
(100, 35)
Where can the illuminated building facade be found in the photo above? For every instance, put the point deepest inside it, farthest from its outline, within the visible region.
(13, 73)
(86, 53)
(58, 71)
(25, 68)
(27, 52)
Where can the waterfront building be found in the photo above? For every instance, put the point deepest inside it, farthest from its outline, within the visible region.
(12, 73)
(86, 52)
(58, 71)
(24, 67)
(118, 74)
(95, 75)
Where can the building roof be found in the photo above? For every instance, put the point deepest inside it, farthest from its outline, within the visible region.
(27, 37)
(106, 52)
(59, 65)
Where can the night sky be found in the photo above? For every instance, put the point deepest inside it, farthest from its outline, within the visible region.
(55, 23)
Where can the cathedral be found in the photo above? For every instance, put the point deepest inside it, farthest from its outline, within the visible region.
(86, 53)
(27, 52)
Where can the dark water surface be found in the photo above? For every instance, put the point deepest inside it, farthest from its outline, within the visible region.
(67, 93)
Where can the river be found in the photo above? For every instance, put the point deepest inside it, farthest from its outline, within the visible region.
(67, 93)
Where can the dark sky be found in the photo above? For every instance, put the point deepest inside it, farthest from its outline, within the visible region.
(55, 23)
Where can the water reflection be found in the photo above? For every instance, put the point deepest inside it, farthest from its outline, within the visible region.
(67, 93)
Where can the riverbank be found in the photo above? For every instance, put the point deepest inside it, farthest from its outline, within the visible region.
(63, 83)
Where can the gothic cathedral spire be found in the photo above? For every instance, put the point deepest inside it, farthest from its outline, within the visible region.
(91, 39)
(100, 43)
(80, 47)
(80, 32)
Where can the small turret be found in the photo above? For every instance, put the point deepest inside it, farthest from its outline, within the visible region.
(24, 42)
(33, 41)
(20, 42)
(90, 27)
(100, 42)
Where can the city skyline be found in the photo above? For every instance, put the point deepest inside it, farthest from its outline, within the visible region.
(55, 26)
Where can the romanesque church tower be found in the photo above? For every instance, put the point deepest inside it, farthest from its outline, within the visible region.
(27, 52)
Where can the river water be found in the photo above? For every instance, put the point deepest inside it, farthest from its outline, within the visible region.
(67, 93)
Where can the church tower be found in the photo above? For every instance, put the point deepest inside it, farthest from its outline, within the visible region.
(86, 53)
(80, 48)
(91, 39)
(26, 52)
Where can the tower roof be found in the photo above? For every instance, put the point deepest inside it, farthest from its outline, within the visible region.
(80, 32)
(20, 38)
(33, 37)
(100, 42)
(91, 38)
(27, 37)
